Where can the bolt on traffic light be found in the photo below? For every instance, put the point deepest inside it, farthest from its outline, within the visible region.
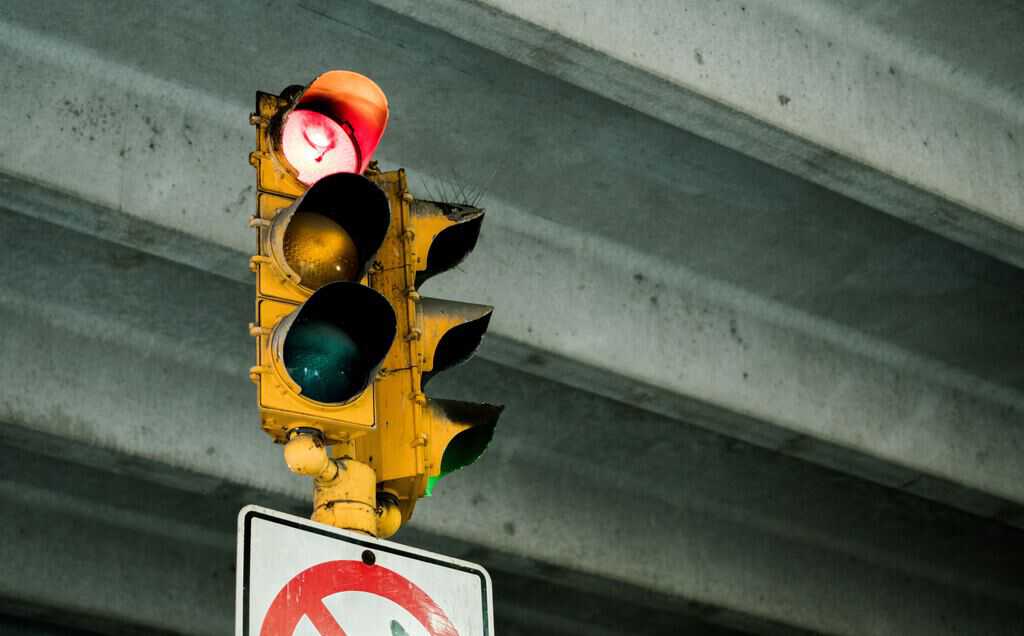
(345, 342)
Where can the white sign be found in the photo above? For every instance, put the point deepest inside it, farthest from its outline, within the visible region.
(300, 578)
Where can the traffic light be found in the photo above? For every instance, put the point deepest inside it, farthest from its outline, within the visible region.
(345, 341)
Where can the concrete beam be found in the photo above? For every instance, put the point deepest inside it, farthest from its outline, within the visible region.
(894, 106)
(129, 363)
(672, 274)
(813, 414)
(105, 553)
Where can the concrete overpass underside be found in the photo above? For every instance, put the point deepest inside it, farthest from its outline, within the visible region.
(757, 277)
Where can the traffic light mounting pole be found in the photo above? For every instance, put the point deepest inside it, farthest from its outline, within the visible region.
(345, 490)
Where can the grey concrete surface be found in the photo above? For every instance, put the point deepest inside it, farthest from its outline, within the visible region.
(135, 372)
(915, 108)
(750, 387)
(94, 553)
(753, 302)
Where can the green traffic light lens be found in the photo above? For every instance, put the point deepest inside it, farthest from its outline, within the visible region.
(332, 344)
(464, 449)
(325, 362)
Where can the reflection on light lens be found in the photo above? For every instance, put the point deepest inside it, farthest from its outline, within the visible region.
(316, 146)
(324, 361)
(319, 250)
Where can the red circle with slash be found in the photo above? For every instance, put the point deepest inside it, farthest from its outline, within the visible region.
(304, 596)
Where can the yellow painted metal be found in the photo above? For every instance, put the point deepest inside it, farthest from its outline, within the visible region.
(349, 500)
(391, 438)
(304, 454)
(447, 419)
(344, 489)
(395, 449)
(273, 173)
(272, 278)
(430, 219)
(282, 407)
(410, 436)
(438, 317)
(389, 515)
(279, 293)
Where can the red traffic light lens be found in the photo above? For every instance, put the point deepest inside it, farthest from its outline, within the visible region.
(316, 146)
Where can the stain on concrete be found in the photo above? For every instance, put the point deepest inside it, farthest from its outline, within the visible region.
(981, 455)
(784, 99)
(734, 331)
(697, 55)
(126, 260)
(243, 195)
(152, 124)
(87, 119)
(509, 528)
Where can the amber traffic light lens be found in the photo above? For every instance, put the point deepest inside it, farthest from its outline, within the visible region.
(320, 250)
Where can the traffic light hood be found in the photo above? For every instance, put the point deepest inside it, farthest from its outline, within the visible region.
(331, 233)
(332, 345)
(336, 124)
(461, 431)
(452, 332)
(449, 230)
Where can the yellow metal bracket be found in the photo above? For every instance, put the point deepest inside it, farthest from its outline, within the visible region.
(344, 490)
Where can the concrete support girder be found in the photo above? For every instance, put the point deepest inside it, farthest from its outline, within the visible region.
(780, 380)
(130, 363)
(626, 256)
(741, 298)
(105, 553)
(894, 105)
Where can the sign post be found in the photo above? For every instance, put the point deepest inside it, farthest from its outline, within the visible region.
(299, 578)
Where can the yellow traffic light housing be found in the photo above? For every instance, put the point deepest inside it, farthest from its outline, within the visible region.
(312, 253)
(345, 341)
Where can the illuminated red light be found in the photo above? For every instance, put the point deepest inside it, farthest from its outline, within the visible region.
(316, 145)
